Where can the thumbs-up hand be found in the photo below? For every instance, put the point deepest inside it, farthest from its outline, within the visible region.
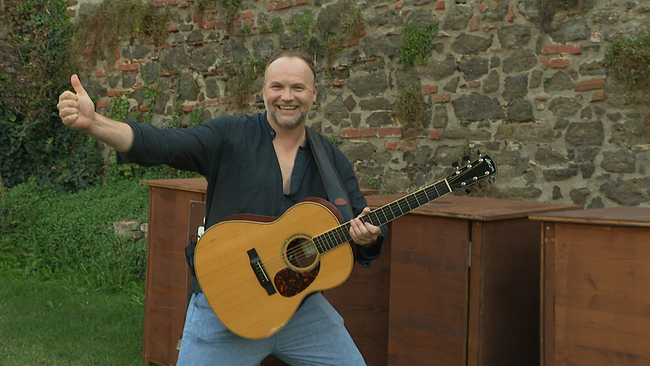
(76, 110)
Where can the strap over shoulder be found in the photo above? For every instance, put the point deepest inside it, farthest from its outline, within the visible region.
(335, 192)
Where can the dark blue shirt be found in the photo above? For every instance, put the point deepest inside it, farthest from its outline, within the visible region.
(236, 156)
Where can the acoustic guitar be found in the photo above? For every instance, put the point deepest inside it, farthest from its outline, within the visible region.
(256, 270)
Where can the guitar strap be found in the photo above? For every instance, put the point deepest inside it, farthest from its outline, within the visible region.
(335, 192)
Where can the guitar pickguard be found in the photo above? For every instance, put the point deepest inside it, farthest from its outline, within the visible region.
(290, 283)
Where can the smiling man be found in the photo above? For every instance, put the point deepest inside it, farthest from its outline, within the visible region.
(258, 164)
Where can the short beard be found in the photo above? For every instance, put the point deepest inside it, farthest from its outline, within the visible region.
(300, 118)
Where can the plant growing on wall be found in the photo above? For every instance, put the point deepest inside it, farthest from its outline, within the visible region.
(33, 141)
(103, 28)
(628, 60)
(241, 76)
(411, 108)
(416, 43)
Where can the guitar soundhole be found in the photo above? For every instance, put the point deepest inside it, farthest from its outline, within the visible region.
(301, 253)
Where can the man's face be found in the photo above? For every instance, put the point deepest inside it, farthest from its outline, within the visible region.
(289, 91)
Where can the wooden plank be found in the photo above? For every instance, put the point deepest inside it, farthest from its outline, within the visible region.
(602, 294)
(547, 298)
(506, 257)
(474, 208)
(428, 297)
(616, 216)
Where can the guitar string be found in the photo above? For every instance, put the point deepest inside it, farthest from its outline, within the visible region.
(298, 252)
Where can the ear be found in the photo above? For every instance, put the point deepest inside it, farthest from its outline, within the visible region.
(315, 94)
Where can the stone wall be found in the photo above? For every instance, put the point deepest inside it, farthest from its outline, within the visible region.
(522, 80)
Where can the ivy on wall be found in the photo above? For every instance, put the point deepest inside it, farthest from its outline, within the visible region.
(628, 60)
(33, 141)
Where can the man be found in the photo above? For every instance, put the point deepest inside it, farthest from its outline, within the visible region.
(258, 164)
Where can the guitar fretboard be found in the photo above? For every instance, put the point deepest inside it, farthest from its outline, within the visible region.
(383, 215)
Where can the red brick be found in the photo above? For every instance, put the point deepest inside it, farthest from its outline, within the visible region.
(571, 48)
(550, 49)
(429, 89)
(284, 5)
(598, 95)
(482, 7)
(389, 132)
(143, 108)
(172, 2)
(183, 5)
(117, 55)
(442, 98)
(350, 133)
(511, 14)
(272, 6)
(545, 62)
(129, 67)
(559, 63)
(440, 6)
(592, 84)
(434, 134)
(559, 16)
(351, 42)
(247, 15)
(408, 145)
(368, 132)
(249, 21)
(160, 3)
(474, 84)
(381, 6)
(209, 25)
(102, 104)
(187, 108)
(226, 100)
(212, 102)
(100, 73)
(474, 24)
(392, 145)
(302, 2)
(172, 28)
(399, 6)
(114, 93)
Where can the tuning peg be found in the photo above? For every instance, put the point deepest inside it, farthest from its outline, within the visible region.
(455, 164)
(468, 191)
(491, 179)
(478, 152)
(466, 158)
(479, 185)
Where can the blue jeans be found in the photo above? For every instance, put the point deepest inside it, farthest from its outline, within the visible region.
(315, 335)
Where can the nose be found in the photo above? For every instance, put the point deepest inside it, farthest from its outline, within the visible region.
(287, 94)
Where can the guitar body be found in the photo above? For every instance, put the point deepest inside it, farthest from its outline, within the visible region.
(255, 271)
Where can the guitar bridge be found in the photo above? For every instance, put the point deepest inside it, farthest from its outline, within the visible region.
(260, 272)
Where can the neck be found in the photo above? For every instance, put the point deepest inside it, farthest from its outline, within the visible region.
(288, 135)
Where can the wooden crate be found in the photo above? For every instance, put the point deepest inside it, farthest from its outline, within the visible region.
(458, 284)
(595, 287)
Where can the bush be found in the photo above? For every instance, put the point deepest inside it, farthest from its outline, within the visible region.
(70, 236)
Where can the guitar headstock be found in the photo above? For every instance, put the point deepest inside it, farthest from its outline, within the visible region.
(474, 172)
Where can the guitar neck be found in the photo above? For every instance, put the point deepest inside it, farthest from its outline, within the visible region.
(383, 215)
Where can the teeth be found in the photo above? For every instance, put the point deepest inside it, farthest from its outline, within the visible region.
(287, 107)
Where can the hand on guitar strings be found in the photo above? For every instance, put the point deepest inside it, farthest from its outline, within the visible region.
(364, 234)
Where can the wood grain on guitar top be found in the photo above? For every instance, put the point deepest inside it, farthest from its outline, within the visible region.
(231, 286)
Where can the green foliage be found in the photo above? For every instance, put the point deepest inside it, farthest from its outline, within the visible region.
(465, 150)
(119, 108)
(411, 107)
(276, 25)
(33, 141)
(241, 77)
(70, 236)
(628, 60)
(232, 7)
(103, 28)
(416, 43)
(372, 183)
(302, 28)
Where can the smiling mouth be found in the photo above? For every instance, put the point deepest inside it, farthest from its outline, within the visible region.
(287, 107)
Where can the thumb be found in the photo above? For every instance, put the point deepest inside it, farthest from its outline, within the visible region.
(76, 84)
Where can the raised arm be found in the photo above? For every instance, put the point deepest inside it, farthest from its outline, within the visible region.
(77, 111)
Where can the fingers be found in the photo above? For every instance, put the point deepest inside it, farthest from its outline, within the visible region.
(76, 84)
(363, 233)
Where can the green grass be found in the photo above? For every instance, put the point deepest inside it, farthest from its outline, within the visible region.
(46, 323)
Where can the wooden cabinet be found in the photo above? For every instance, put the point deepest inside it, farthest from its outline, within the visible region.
(168, 278)
(595, 287)
(458, 284)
